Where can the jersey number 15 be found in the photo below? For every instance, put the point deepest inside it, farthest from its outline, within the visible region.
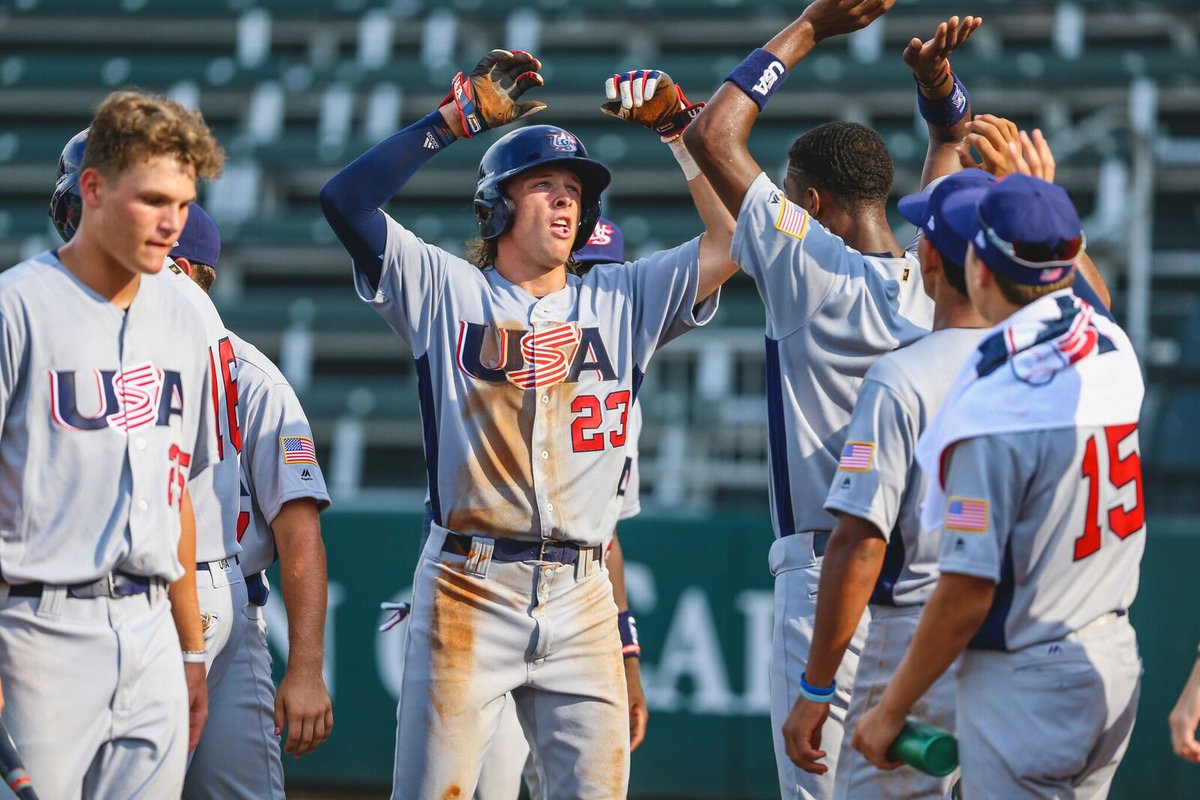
(1121, 471)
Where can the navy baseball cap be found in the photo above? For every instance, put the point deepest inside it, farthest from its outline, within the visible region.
(924, 209)
(199, 241)
(605, 246)
(1023, 228)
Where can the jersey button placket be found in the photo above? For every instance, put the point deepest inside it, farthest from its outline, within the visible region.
(539, 444)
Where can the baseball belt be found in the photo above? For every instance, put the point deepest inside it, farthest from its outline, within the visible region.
(116, 584)
(510, 550)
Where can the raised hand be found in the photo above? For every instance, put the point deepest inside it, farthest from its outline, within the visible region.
(1033, 157)
(651, 99)
(930, 60)
(487, 98)
(834, 17)
(989, 136)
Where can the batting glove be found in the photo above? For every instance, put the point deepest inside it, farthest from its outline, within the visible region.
(651, 99)
(487, 98)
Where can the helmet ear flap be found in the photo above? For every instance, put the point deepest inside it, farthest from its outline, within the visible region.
(494, 213)
(66, 206)
(587, 224)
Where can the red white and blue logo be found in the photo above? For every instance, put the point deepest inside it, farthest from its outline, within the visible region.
(563, 141)
(135, 398)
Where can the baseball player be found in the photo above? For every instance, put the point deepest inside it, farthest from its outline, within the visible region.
(283, 491)
(105, 420)
(1035, 484)
(216, 492)
(839, 292)
(875, 553)
(509, 758)
(526, 375)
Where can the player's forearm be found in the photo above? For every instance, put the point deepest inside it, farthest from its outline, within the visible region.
(715, 265)
(616, 573)
(351, 199)
(303, 580)
(958, 606)
(185, 605)
(848, 574)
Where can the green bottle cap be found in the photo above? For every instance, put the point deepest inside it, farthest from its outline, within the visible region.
(926, 748)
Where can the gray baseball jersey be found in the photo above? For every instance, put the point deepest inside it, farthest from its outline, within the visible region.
(121, 395)
(525, 400)
(878, 478)
(215, 494)
(831, 312)
(629, 489)
(1033, 511)
(279, 458)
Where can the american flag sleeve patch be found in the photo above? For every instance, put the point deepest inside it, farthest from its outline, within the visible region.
(856, 457)
(298, 450)
(966, 515)
(793, 220)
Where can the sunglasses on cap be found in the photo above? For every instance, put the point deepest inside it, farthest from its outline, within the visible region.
(1036, 255)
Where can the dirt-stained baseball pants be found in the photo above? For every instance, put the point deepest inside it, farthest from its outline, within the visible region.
(545, 632)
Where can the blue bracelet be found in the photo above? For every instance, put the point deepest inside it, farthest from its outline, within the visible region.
(759, 75)
(627, 627)
(814, 694)
(949, 110)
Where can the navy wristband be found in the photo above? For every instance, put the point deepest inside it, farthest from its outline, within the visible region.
(814, 694)
(759, 75)
(627, 626)
(949, 110)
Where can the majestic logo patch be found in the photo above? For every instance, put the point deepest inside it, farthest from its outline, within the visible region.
(139, 397)
(967, 514)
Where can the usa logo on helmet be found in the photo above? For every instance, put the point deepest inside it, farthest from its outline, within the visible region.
(563, 141)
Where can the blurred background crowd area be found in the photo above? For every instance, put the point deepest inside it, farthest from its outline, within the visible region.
(296, 88)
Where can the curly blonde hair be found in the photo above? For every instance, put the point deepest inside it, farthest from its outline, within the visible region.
(132, 126)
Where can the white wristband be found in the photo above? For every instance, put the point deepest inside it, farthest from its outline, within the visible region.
(686, 162)
(194, 656)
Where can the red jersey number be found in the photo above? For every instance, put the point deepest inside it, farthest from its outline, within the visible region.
(1121, 472)
(586, 436)
(223, 369)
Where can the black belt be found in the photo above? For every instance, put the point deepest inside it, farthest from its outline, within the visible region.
(508, 550)
(118, 584)
(820, 540)
(207, 565)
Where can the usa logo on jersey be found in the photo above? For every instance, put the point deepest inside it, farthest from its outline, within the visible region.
(531, 359)
(135, 398)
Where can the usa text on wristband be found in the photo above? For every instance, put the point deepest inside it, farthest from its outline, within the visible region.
(816, 694)
(759, 75)
(627, 626)
(949, 110)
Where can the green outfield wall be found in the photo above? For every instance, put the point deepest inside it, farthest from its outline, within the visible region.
(702, 596)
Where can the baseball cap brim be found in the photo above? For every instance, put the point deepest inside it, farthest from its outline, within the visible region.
(961, 211)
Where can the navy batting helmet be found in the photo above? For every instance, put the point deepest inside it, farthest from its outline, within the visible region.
(65, 204)
(523, 150)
